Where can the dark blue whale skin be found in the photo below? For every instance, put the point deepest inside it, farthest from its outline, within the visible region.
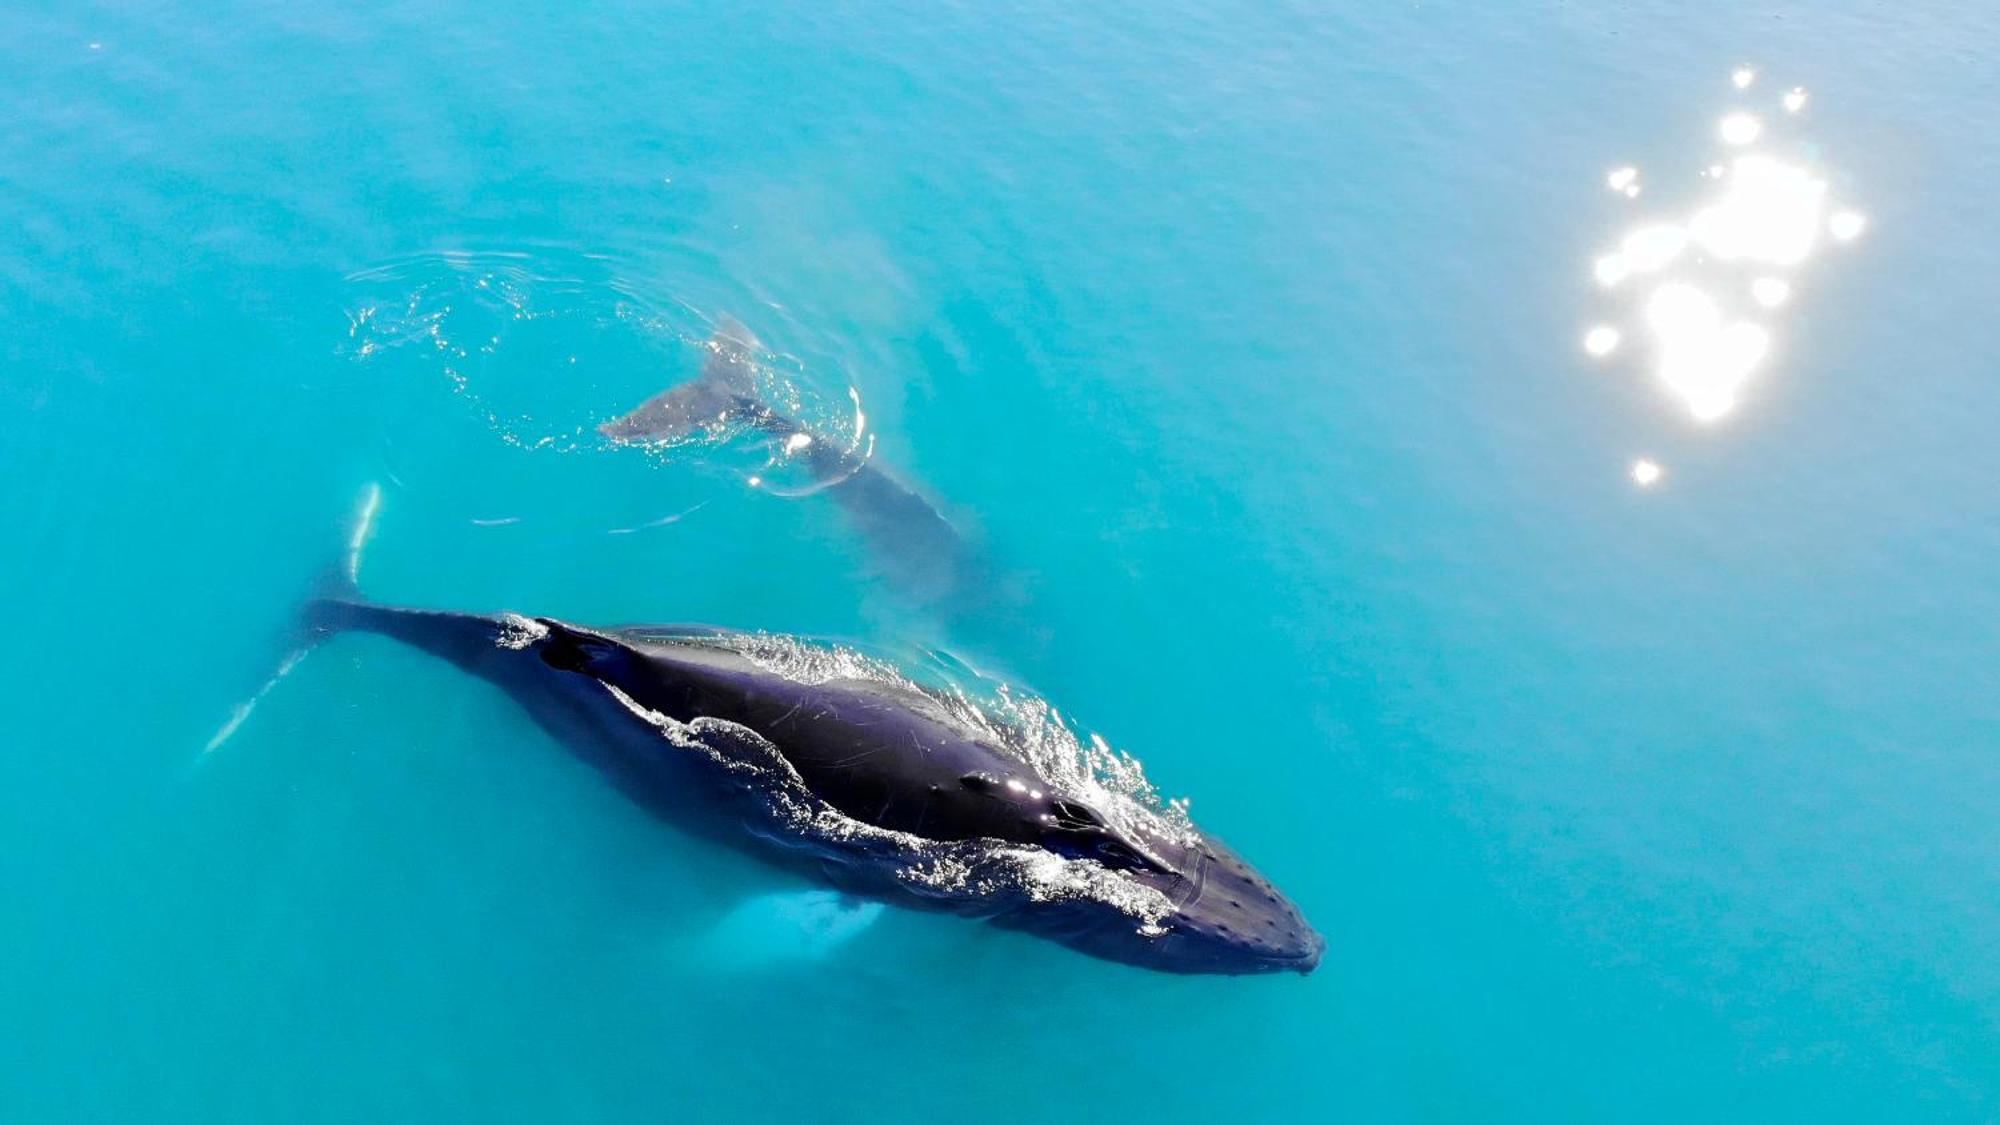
(873, 786)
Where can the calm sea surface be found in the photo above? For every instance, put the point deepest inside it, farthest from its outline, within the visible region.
(1244, 341)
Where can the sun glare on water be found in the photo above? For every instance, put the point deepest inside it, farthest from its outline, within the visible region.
(1693, 289)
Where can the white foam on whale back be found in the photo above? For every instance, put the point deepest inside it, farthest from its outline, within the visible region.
(1109, 780)
(958, 869)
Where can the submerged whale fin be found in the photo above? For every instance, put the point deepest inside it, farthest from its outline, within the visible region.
(791, 926)
(340, 582)
(724, 392)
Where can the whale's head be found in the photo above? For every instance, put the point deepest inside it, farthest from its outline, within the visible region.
(1172, 900)
(1228, 918)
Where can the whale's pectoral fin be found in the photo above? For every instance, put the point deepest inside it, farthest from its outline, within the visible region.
(724, 393)
(793, 926)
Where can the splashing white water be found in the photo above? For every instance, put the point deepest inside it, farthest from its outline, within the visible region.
(956, 868)
(1110, 780)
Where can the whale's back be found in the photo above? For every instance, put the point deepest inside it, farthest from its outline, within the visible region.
(884, 752)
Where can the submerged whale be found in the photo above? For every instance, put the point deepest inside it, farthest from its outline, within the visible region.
(838, 767)
(911, 539)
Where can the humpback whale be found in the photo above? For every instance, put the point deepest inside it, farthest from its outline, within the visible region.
(839, 767)
(911, 539)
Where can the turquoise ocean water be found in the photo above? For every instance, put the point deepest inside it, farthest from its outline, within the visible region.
(1243, 339)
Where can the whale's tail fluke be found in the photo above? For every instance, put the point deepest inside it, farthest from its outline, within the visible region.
(340, 584)
(724, 393)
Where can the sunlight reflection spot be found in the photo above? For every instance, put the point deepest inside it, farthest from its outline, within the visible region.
(1740, 129)
(1695, 291)
(1770, 292)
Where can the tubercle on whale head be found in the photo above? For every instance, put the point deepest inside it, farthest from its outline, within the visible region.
(1228, 918)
